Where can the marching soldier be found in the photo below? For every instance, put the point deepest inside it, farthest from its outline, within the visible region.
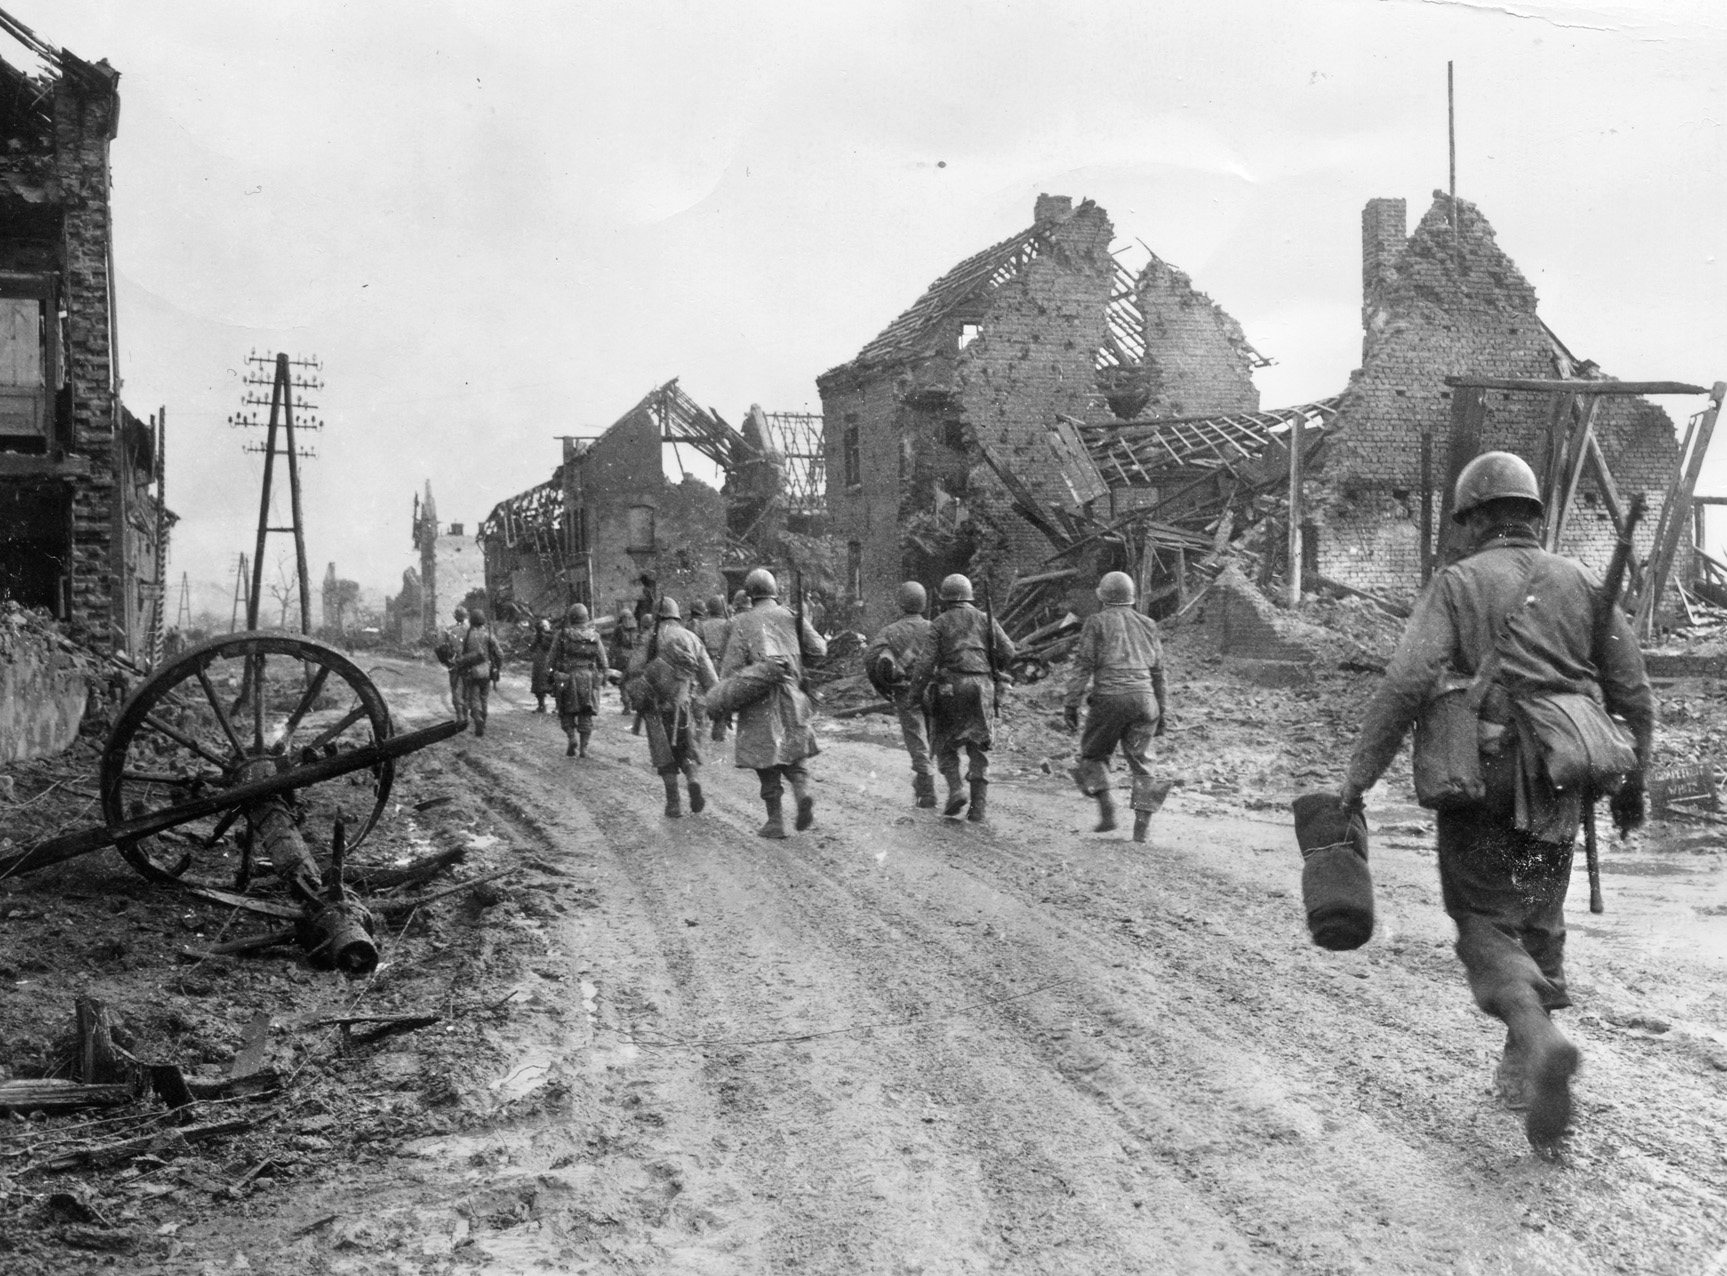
(481, 664)
(624, 635)
(666, 672)
(1120, 659)
(539, 650)
(774, 733)
(888, 664)
(448, 648)
(577, 660)
(1505, 860)
(713, 632)
(952, 676)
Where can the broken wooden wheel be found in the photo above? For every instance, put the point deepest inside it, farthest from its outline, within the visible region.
(235, 710)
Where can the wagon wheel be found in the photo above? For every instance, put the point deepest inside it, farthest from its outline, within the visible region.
(240, 707)
(1028, 669)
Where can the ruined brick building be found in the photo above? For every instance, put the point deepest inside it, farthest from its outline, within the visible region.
(452, 568)
(982, 367)
(1447, 301)
(82, 533)
(608, 515)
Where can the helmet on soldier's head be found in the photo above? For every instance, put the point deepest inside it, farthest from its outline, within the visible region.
(668, 609)
(956, 589)
(1494, 476)
(476, 618)
(717, 606)
(577, 614)
(740, 600)
(1115, 588)
(911, 597)
(760, 583)
(698, 608)
(461, 612)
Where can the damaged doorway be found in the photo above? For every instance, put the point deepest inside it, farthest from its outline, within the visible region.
(36, 545)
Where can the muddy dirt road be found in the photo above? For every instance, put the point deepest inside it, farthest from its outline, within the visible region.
(904, 1044)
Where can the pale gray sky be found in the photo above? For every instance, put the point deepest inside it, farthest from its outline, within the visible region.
(497, 223)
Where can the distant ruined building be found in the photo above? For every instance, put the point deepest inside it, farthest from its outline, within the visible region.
(451, 566)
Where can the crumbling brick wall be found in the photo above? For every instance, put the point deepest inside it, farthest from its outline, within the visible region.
(1447, 301)
(1197, 357)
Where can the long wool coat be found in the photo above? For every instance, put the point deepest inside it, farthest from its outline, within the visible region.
(775, 731)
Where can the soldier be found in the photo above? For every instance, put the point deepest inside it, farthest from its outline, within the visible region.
(740, 601)
(952, 676)
(539, 650)
(623, 643)
(448, 648)
(480, 666)
(666, 671)
(577, 661)
(774, 733)
(888, 664)
(1120, 659)
(713, 632)
(1505, 860)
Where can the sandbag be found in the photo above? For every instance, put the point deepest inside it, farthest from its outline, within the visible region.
(1336, 886)
(747, 686)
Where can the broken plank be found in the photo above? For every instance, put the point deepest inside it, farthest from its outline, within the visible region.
(50, 1095)
(1396, 609)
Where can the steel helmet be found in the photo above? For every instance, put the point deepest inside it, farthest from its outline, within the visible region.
(1116, 588)
(911, 597)
(577, 614)
(956, 589)
(668, 609)
(1494, 476)
(760, 583)
(461, 613)
(717, 606)
(698, 608)
(476, 618)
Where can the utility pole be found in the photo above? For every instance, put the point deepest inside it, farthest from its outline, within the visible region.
(242, 595)
(183, 616)
(288, 376)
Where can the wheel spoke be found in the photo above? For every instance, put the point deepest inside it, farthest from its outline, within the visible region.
(183, 740)
(313, 687)
(221, 717)
(258, 703)
(223, 825)
(331, 732)
(164, 777)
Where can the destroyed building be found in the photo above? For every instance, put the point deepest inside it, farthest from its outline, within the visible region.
(608, 515)
(82, 525)
(452, 568)
(981, 374)
(1446, 301)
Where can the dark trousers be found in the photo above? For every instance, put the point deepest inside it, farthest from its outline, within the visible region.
(457, 701)
(1506, 893)
(1126, 722)
(775, 778)
(474, 693)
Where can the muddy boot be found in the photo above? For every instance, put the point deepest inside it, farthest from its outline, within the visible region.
(674, 806)
(697, 801)
(1105, 812)
(1148, 796)
(570, 748)
(582, 743)
(806, 815)
(776, 825)
(956, 798)
(1141, 825)
(923, 790)
(1549, 1063)
(976, 814)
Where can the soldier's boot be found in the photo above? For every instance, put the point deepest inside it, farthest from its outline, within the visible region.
(697, 801)
(541, 708)
(1148, 796)
(956, 798)
(1549, 1063)
(1105, 811)
(674, 805)
(776, 824)
(806, 805)
(923, 790)
(582, 743)
(570, 748)
(977, 813)
(1141, 825)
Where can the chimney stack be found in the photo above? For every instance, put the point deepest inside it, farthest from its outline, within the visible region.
(1049, 207)
(1384, 231)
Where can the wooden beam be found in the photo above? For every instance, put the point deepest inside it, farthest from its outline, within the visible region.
(1576, 453)
(1675, 513)
(1468, 407)
(1539, 385)
(1709, 500)
(1604, 480)
(1293, 574)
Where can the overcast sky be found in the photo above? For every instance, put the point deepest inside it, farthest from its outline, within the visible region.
(498, 223)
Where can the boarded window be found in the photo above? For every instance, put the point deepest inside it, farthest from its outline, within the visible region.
(23, 367)
(853, 452)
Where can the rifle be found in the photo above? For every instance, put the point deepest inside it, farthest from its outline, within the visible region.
(1603, 619)
(989, 650)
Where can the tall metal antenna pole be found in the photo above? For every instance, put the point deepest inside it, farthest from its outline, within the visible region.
(1451, 136)
(281, 425)
(294, 494)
